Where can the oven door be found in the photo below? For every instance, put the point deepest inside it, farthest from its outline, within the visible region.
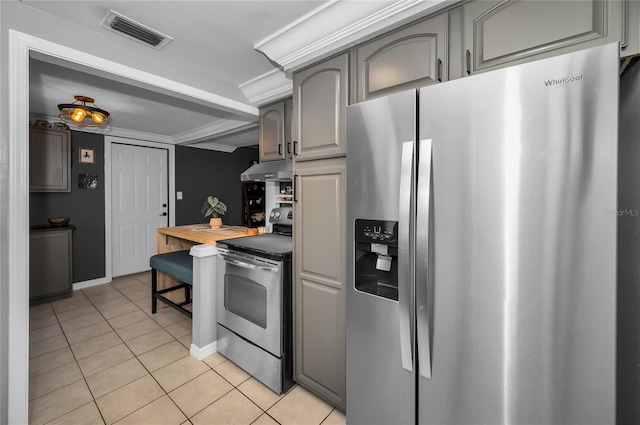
(249, 298)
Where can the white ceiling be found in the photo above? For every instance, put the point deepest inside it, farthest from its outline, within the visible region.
(213, 45)
(227, 57)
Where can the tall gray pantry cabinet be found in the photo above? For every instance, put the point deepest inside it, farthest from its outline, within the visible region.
(320, 97)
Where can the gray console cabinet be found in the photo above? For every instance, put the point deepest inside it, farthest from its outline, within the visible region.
(50, 263)
(49, 160)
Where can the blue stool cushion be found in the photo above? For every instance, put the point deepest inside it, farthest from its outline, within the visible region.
(178, 264)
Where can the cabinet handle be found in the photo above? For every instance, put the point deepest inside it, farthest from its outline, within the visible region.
(295, 188)
(289, 147)
(280, 149)
(468, 62)
(295, 147)
(439, 71)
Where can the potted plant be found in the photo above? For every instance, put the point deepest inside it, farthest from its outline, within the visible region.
(214, 208)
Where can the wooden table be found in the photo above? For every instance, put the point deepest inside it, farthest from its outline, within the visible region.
(170, 239)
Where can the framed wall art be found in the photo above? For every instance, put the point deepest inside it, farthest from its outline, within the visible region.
(87, 156)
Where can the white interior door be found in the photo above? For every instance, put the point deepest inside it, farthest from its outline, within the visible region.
(139, 205)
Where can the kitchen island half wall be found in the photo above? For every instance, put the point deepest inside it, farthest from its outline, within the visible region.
(200, 240)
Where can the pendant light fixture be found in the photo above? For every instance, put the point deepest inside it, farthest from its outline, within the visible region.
(83, 113)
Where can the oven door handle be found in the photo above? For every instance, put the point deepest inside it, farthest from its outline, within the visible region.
(245, 265)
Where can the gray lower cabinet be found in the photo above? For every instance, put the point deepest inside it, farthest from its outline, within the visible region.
(498, 32)
(320, 276)
(320, 98)
(49, 160)
(50, 263)
(412, 57)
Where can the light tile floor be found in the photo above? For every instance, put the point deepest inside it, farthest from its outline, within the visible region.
(100, 357)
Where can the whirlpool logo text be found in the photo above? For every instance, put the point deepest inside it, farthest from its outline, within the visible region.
(562, 81)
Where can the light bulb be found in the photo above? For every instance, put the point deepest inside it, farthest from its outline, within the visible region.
(97, 117)
(78, 115)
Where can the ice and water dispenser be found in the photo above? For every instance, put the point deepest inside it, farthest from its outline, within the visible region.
(376, 257)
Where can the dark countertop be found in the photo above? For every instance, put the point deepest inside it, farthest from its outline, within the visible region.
(48, 228)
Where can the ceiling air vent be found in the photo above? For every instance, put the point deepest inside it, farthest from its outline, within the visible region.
(134, 30)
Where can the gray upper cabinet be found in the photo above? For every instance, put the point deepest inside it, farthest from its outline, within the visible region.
(272, 132)
(49, 160)
(320, 97)
(288, 114)
(514, 31)
(412, 57)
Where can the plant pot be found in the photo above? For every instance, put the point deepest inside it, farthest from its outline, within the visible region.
(215, 223)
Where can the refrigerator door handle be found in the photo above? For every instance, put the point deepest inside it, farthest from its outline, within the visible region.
(405, 260)
(424, 281)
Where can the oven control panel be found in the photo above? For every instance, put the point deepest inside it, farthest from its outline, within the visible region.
(281, 215)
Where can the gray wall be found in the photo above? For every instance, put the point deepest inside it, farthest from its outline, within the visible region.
(628, 376)
(85, 207)
(200, 173)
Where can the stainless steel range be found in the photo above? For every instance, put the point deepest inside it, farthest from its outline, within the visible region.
(254, 308)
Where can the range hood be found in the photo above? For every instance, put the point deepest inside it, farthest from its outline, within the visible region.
(268, 171)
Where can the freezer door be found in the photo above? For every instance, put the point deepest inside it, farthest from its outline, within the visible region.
(524, 239)
(380, 334)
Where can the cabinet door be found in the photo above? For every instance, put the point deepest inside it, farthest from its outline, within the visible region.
(514, 31)
(320, 273)
(49, 160)
(272, 132)
(288, 113)
(320, 96)
(413, 57)
(50, 271)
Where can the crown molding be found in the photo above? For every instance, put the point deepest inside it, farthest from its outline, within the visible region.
(215, 130)
(197, 138)
(268, 87)
(337, 25)
(211, 146)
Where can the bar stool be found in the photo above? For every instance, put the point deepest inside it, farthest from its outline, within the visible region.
(178, 265)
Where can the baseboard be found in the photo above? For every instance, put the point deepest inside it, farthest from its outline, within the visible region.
(204, 352)
(90, 283)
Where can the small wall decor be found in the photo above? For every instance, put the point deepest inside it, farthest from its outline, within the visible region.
(87, 181)
(87, 156)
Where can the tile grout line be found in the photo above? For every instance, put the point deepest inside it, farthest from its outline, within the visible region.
(64, 334)
(148, 371)
(90, 300)
(84, 378)
(181, 385)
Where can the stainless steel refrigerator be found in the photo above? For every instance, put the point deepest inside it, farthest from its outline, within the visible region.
(482, 248)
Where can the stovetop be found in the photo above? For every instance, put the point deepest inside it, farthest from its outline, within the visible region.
(270, 245)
